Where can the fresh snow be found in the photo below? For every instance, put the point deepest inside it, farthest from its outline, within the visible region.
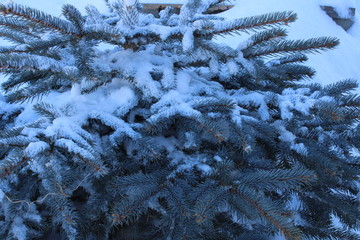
(183, 81)
(2, 195)
(18, 229)
(130, 2)
(294, 100)
(5, 107)
(34, 148)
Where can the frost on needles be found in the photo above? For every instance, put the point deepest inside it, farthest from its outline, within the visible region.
(120, 125)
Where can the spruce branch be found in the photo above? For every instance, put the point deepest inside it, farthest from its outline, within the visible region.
(292, 72)
(268, 212)
(105, 33)
(294, 58)
(47, 110)
(278, 179)
(129, 14)
(37, 89)
(10, 164)
(217, 49)
(251, 23)
(205, 105)
(136, 183)
(262, 38)
(126, 211)
(345, 234)
(341, 87)
(14, 36)
(14, 23)
(350, 102)
(23, 61)
(216, 131)
(41, 47)
(176, 200)
(39, 17)
(15, 141)
(23, 48)
(9, 49)
(202, 189)
(74, 16)
(205, 208)
(85, 155)
(313, 45)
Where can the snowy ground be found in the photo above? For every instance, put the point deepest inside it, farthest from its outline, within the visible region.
(342, 63)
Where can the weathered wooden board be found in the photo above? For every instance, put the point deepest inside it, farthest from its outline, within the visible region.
(346, 22)
(155, 8)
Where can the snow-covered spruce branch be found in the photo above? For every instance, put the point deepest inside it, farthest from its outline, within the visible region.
(13, 23)
(30, 62)
(61, 193)
(39, 17)
(293, 46)
(274, 179)
(8, 165)
(171, 134)
(252, 23)
(263, 38)
(287, 228)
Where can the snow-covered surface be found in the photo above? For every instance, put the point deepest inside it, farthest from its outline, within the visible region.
(2, 195)
(5, 107)
(341, 63)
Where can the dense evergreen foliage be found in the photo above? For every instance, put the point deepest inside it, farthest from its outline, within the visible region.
(138, 127)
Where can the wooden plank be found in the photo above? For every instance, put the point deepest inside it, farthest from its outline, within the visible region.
(219, 9)
(155, 8)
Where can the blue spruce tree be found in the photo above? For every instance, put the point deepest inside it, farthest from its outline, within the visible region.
(143, 127)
